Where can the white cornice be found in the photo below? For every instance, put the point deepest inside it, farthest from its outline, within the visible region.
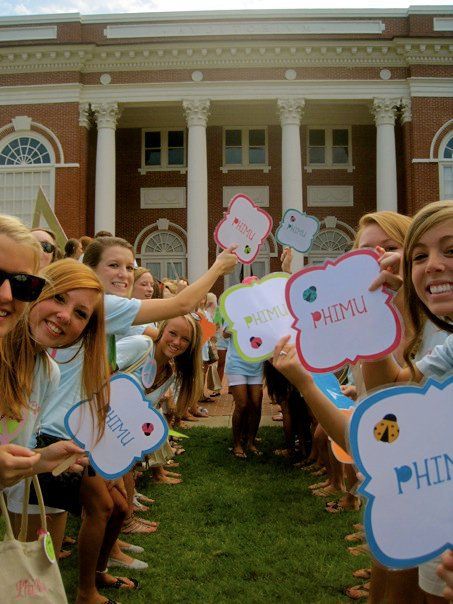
(138, 57)
(227, 15)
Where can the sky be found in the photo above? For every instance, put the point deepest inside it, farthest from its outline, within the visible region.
(87, 7)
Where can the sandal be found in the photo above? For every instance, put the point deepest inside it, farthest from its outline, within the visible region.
(359, 536)
(362, 573)
(240, 454)
(120, 582)
(358, 592)
(135, 526)
(335, 507)
(326, 492)
(359, 550)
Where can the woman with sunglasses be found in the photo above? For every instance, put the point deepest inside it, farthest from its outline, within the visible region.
(25, 385)
(48, 242)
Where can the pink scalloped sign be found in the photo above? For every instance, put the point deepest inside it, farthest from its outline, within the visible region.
(245, 225)
(337, 319)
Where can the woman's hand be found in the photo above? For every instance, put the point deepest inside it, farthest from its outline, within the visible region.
(226, 261)
(56, 453)
(117, 484)
(390, 264)
(16, 462)
(286, 259)
(349, 390)
(445, 572)
(286, 361)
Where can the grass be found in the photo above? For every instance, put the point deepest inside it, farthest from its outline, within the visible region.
(239, 531)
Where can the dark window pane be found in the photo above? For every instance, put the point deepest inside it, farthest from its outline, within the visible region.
(317, 138)
(448, 153)
(316, 155)
(175, 157)
(233, 155)
(152, 158)
(233, 138)
(257, 155)
(176, 138)
(340, 155)
(152, 139)
(340, 138)
(257, 138)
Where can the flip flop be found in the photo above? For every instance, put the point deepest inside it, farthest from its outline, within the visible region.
(358, 592)
(335, 507)
(121, 584)
(362, 573)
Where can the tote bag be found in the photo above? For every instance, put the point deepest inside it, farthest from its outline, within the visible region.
(29, 571)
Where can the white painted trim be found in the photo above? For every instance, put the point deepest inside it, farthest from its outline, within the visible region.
(15, 34)
(264, 90)
(259, 194)
(70, 165)
(156, 197)
(248, 28)
(436, 136)
(429, 160)
(26, 19)
(323, 196)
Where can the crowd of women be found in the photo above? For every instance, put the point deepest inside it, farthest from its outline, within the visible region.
(67, 324)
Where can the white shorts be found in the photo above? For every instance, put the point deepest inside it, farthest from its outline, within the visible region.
(428, 579)
(235, 379)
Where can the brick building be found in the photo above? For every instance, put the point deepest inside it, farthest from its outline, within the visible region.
(148, 124)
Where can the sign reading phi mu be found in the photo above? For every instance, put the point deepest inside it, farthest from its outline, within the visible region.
(337, 319)
(402, 442)
(245, 225)
(257, 316)
(133, 428)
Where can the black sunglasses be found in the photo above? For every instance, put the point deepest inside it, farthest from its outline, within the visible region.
(25, 288)
(48, 247)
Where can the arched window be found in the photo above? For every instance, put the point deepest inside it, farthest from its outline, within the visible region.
(24, 151)
(333, 239)
(446, 167)
(26, 163)
(164, 254)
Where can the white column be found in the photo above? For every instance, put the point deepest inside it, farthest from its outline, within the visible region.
(196, 112)
(384, 111)
(290, 111)
(106, 116)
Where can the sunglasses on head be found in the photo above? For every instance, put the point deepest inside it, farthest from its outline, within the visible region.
(48, 247)
(25, 288)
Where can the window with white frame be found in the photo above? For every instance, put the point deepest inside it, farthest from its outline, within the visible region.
(244, 148)
(26, 164)
(163, 149)
(329, 147)
(164, 254)
(446, 167)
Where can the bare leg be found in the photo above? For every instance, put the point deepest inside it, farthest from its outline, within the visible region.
(399, 586)
(239, 414)
(255, 397)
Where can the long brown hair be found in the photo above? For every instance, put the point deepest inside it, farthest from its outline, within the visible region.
(94, 251)
(188, 367)
(19, 350)
(428, 217)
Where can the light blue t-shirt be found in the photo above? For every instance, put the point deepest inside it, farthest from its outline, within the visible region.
(44, 388)
(235, 365)
(439, 363)
(120, 313)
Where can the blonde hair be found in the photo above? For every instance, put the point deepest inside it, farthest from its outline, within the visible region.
(428, 217)
(19, 350)
(19, 233)
(188, 367)
(139, 272)
(393, 224)
(171, 285)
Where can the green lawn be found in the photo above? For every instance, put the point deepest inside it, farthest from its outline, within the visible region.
(239, 531)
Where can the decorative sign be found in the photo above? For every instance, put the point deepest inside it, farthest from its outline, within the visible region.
(257, 316)
(297, 230)
(341, 454)
(10, 428)
(246, 225)
(337, 319)
(208, 329)
(149, 371)
(402, 442)
(43, 210)
(132, 429)
(330, 386)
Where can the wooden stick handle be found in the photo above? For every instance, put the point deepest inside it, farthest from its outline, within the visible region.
(64, 465)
